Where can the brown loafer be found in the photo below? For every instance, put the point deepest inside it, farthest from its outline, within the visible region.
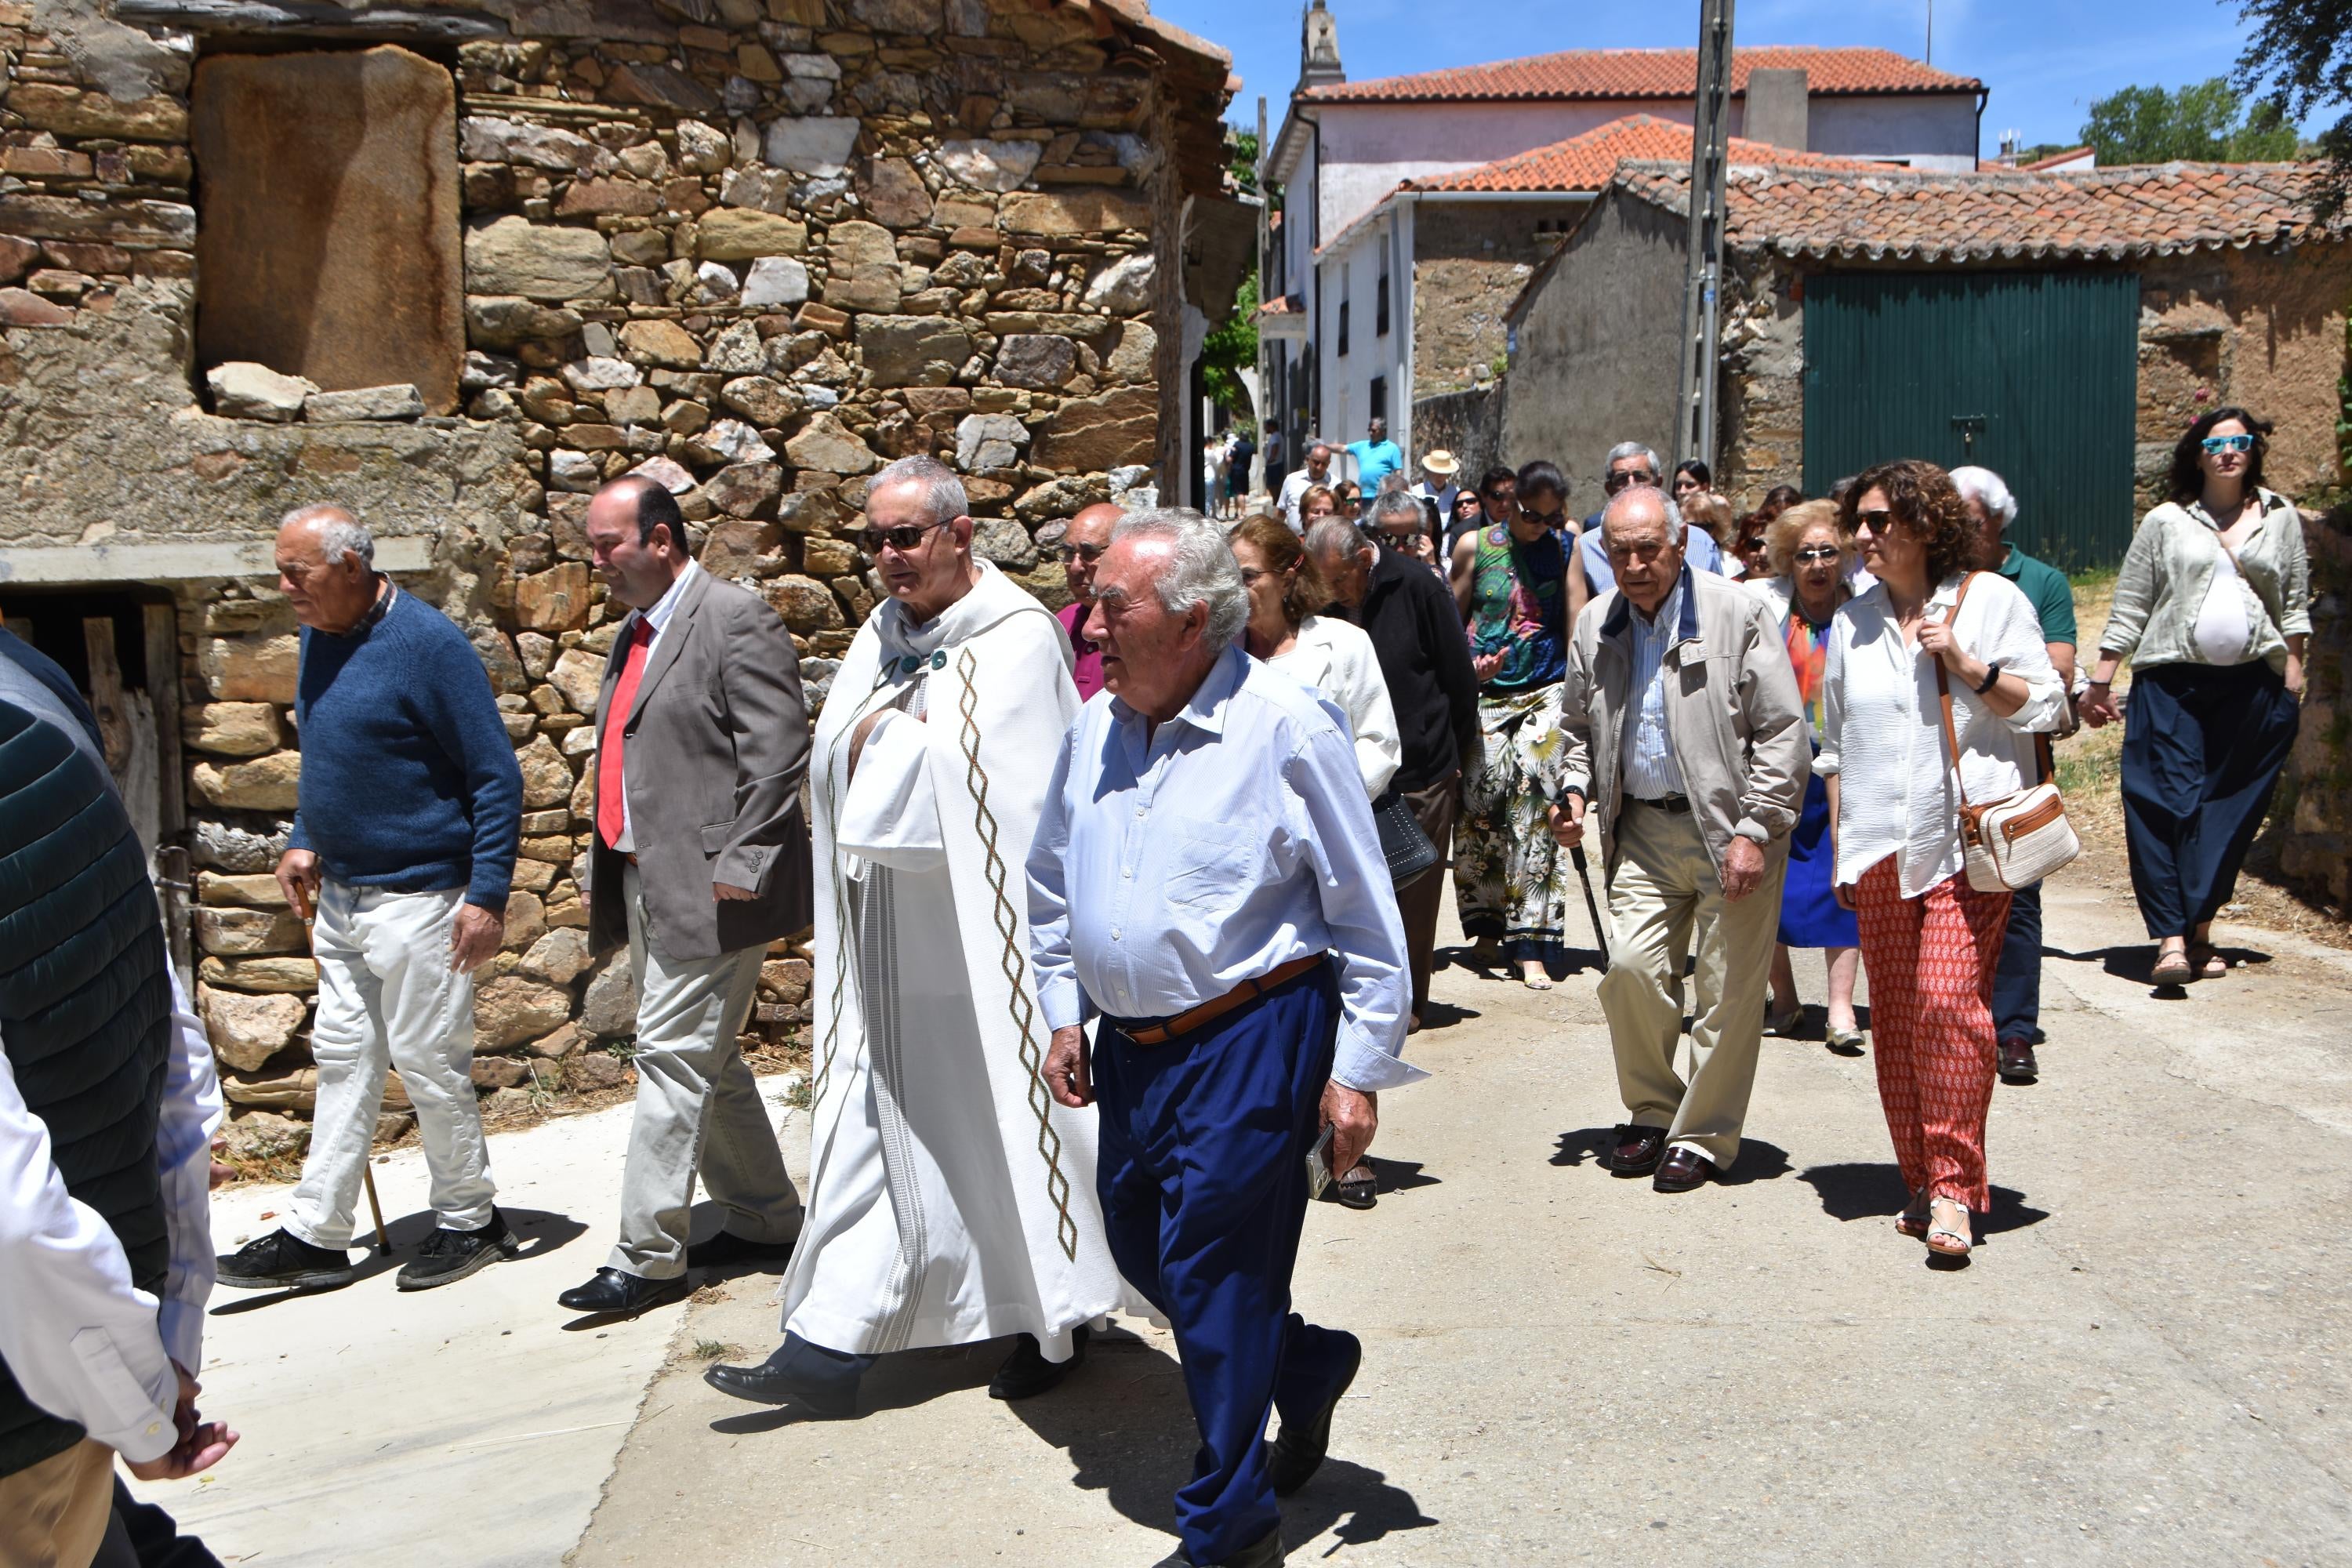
(2017, 1063)
(1638, 1150)
(1685, 1170)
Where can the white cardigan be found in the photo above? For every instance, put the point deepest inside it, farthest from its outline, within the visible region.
(1884, 739)
(1336, 660)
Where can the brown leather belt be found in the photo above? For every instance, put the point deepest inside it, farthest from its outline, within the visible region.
(1208, 1012)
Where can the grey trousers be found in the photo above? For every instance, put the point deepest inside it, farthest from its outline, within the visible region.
(697, 1106)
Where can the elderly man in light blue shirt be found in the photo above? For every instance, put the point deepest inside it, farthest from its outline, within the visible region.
(1207, 877)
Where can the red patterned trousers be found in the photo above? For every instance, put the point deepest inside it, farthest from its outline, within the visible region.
(1930, 961)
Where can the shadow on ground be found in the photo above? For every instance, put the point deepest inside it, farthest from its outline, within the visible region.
(539, 1231)
(1868, 1190)
(1757, 1161)
(1125, 1423)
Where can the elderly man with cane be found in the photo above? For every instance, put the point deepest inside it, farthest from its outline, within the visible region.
(1685, 735)
(410, 814)
(1207, 879)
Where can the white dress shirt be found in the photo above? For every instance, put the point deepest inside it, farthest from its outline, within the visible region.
(83, 1341)
(1883, 727)
(1294, 490)
(1650, 771)
(1174, 863)
(1336, 659)
(656, 616)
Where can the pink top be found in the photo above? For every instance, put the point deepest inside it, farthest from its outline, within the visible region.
(1089, 671)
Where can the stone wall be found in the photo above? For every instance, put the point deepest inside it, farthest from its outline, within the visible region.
(753, 252)
(1470, 261)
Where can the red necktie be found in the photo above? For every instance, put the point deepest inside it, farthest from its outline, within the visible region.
(609, 775)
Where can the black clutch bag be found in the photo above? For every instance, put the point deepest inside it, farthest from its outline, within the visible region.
(1405, 847)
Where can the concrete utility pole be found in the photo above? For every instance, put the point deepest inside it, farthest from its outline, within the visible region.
(1266, 398)
(1710, 151)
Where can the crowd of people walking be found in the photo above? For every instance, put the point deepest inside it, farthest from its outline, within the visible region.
(1124, 914)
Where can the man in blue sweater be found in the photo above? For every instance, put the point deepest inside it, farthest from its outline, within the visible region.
(410, 815)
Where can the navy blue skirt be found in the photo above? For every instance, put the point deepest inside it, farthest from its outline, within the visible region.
(1809, 916)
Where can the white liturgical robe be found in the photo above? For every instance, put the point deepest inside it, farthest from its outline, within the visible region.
(950, 1198)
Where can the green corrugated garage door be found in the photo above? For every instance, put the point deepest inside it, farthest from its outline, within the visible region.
(2032, 374)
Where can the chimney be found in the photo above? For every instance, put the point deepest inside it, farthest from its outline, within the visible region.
(2009, 141)
(1776, 109)
(1319, 48)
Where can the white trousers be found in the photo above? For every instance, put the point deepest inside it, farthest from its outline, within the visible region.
(697, 1106)
(388, 998)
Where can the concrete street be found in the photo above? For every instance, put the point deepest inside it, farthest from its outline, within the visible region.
(2143, 1363)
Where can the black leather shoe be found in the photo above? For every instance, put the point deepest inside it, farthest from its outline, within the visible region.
(1684, 1170)
(808, 1377)
(1027, 1374)
(1637, 1151)
(616, 1292)
(284, 1262)
(2017, 1063)
(1263, 1552)
(727, 1249)
(1297, 1451)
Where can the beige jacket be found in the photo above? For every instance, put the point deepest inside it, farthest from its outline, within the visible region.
(1732, 714)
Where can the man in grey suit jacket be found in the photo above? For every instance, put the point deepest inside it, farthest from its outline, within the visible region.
(701, 859)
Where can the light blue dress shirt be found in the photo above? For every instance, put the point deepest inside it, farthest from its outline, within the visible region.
(1172, 864)
(1651, 771)
(1700, 553)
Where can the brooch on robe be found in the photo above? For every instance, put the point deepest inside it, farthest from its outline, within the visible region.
(909, 663)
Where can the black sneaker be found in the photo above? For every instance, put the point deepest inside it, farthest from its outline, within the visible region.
(448, 1256)
(284, 1262)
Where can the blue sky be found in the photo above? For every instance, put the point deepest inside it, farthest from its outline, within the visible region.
(2044, 60)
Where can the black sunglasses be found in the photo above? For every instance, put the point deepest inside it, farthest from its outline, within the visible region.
(901, 539)
(1874, 520)
(1616, 482)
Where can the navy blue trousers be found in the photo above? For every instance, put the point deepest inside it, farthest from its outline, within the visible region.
(1202, 1172)
(2203, 745)
(2017, 979)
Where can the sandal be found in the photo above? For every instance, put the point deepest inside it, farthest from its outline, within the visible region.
(1844, 1042)
(2172, 969)
(1538, 981)
(2206, 960)
(1783, 1025)
(1912, 1221)
(1355, 1190)
(1944, 1239)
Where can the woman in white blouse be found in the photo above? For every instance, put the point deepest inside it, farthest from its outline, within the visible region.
(1929, 941)
(2213, 607)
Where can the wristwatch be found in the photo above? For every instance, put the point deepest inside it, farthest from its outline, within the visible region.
(1992, 674)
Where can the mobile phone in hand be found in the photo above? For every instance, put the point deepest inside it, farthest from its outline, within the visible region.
(1318, 1165)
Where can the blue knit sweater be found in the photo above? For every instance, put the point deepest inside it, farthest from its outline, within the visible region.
(408, 779)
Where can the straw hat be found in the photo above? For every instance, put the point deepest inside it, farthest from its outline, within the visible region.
(1441, 462)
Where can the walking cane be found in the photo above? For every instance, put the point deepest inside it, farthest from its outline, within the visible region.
(1584, 875)
(367, 1180)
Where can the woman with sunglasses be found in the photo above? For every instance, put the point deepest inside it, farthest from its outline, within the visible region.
(1931, 940)
(1809, 554)
(2213, 607)
(1469, 513)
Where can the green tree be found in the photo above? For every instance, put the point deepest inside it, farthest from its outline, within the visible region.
(2206, 121)
(1241, 157)
(2299, 61)
(1231, 350)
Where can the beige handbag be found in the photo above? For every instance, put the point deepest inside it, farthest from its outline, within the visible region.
(2016, 841)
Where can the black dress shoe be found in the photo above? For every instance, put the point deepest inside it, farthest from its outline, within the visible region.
(1637, 1150)
(1297, 1450)
(807, 1376)
(615, 1290)
(1027, 1374)
(728, 1248)
(2017, 1063)
(1265, 1551)
(1685, 1170)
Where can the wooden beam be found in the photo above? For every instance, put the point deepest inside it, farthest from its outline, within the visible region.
(162, 626)
(106, 693)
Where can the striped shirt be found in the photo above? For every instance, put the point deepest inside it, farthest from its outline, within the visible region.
(1650, 771)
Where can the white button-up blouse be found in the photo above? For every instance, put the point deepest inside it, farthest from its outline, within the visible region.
(1883, 727)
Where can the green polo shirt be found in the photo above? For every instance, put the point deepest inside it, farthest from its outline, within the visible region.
(2052, 596)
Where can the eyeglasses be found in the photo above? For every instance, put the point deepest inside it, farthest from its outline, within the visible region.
(1616, 482)
(1874, 520)
(902, 540)
(2215, 445)
(1819, 552)
(1089, 553)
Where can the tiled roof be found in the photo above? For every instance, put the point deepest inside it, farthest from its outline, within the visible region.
(1585, 163)
(1644, 73)
(2117, 214)
(2055, 160)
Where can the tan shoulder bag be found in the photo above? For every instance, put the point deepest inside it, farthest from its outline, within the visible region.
(2016, 841)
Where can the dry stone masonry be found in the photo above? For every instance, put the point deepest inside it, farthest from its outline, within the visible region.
(254, 257)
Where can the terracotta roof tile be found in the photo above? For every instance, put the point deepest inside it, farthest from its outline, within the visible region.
(1644, 73)
(2117, 214)
(1585, 163)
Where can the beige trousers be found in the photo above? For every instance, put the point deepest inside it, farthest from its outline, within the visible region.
(1663, 894)
(54, 1514)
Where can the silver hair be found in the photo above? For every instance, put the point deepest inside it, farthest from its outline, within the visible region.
(1396, 503)
(943, 496)
(1986, 488)
(1202, 572)
(1337, 536)
(1674, 534)
(339, 534)
(1624, 449)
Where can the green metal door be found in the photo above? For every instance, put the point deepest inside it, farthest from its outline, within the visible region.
(2031, 374)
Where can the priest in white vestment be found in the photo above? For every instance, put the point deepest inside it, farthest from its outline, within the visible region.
(950, 1198)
